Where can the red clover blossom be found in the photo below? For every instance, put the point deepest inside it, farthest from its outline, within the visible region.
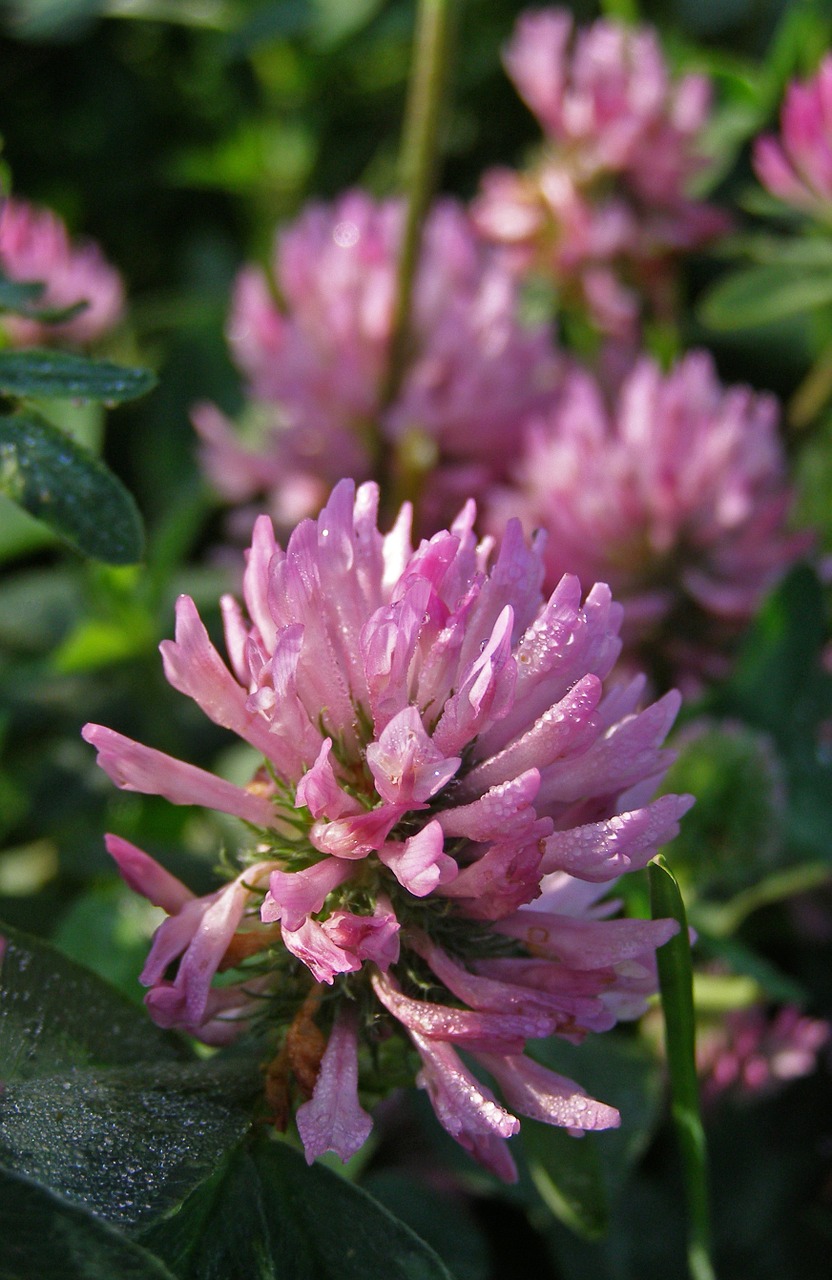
(448, 793)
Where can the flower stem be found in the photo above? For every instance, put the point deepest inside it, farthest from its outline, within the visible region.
(621, 10)
(418, 164)
(676, 984)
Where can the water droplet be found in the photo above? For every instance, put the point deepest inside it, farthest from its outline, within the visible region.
(346, 234)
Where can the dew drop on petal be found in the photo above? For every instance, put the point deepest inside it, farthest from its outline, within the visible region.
(346, 234)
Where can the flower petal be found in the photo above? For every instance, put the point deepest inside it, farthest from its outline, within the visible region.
(601, 851)
(134, 767)
(332, 1119)
(541, 1094)
(420, 864)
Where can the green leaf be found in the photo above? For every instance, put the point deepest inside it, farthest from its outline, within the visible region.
(20, 533)
(259, 155)
(761, 294)
(98, 1104)
(97, 642)
(336, 21)
(443, 1222)
(271, 22)
(59, 482)
(733, 835)
(57, 1017)
(57, 315)
(759, 203)
(797, 46)
(109, 928)
(37, 607)
(217, 15)
(52, 19)
(765, 249)
(128, 1144)
(19, 295)
(676, 985)
(567, 1174)
(266, 1215)
(64, 374)
(778, 682)
(43, 1238)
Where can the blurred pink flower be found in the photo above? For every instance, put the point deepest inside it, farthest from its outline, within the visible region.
(797, 166)
(605, 211)
(751, 1053)
(35, 247)
(675, 492)
(314, 342)
(447, 797)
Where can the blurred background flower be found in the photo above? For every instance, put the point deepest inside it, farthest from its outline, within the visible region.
(313, 340)
(35, 248)
(605, 212)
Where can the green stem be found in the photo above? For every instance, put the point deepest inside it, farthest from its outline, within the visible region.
(621, 10)
(676, 984)
(724, 919)
(419, 156)
(418, 166)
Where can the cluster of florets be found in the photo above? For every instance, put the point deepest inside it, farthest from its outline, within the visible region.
(673, 490)
(797, 166)
(314, 344)
(755, 1052)
(605, 212)
(447, 796)
(35, 247)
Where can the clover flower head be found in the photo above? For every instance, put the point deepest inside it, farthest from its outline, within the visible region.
(797, 166)
(754, 1053)
(605, 96)
(674, 491)
(35, 247)
(447, 795)
(313, 337)
(606, 209)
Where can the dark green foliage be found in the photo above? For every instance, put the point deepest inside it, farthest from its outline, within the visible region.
(106, 1120)
(265, 1215)
(44, 1238)
(98, 1105)
(63, 375)
(64, 485)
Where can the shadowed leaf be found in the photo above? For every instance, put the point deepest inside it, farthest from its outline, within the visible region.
(59, 482)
